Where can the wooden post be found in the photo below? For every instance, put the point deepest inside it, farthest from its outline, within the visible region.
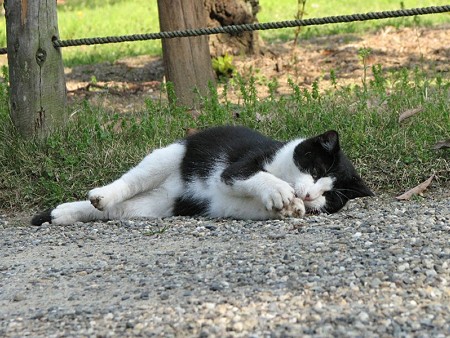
(187, 61)
(36, 71)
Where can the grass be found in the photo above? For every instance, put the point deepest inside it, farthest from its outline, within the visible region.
(285, 10)
(82, 18)
(91, 151)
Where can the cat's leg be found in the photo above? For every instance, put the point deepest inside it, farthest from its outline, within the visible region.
(150, 173)
(153, 204)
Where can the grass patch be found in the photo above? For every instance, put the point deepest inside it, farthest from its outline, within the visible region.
(78, 19)
(97, 147)
(272, 10)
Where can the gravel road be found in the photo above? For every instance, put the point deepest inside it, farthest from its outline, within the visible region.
(378, 268)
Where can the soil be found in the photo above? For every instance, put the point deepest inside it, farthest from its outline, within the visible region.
(124, 85)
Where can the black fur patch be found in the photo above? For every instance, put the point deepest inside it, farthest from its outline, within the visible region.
(44, 216)
(242, 150)
(185, 206)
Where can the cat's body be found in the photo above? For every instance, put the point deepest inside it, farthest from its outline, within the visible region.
(230, 172)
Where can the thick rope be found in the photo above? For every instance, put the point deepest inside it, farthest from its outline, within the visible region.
(235, 29)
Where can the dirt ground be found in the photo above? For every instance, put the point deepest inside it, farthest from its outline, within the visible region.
(123, 85)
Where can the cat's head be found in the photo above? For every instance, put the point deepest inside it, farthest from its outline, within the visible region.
(333, 174)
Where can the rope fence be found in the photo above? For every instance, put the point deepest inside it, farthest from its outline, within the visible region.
(235, 29)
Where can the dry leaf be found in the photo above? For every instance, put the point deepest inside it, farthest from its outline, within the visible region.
(408, 113)
(416, 190)
(328, 52)
(442, 144)
(191, 131)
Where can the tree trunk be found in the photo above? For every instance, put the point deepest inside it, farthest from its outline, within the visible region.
(233, 12)
(36, 72)
(187, 61)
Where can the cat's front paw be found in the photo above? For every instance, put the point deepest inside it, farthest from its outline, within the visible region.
(278, 196)
(295, 209)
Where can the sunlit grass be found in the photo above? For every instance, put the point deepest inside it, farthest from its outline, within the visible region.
(286, 10)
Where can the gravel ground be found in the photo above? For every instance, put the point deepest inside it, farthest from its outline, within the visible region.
(378, 268)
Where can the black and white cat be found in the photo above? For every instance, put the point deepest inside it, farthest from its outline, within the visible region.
(231, 172)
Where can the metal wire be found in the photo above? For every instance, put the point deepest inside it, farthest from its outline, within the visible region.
(236, 29)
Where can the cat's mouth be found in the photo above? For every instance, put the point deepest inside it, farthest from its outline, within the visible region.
(308, 198)
(314, 204)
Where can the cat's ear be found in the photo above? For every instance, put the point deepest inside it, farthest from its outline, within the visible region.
(330, 141)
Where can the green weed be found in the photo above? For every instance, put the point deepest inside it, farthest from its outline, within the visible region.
(157, 231)
(223, 66)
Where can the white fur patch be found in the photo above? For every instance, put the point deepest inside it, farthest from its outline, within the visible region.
(283, 166)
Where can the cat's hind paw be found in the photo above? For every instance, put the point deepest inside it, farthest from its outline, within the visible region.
(295, 209)
(98, 198)
(67, 213)
(105, 197)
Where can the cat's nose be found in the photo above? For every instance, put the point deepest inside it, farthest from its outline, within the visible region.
(307, 197)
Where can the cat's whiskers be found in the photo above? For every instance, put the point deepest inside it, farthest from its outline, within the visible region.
(349, 190)
(340, 195)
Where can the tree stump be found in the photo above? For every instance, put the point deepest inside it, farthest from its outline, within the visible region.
(233, 12)
(187, 61)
